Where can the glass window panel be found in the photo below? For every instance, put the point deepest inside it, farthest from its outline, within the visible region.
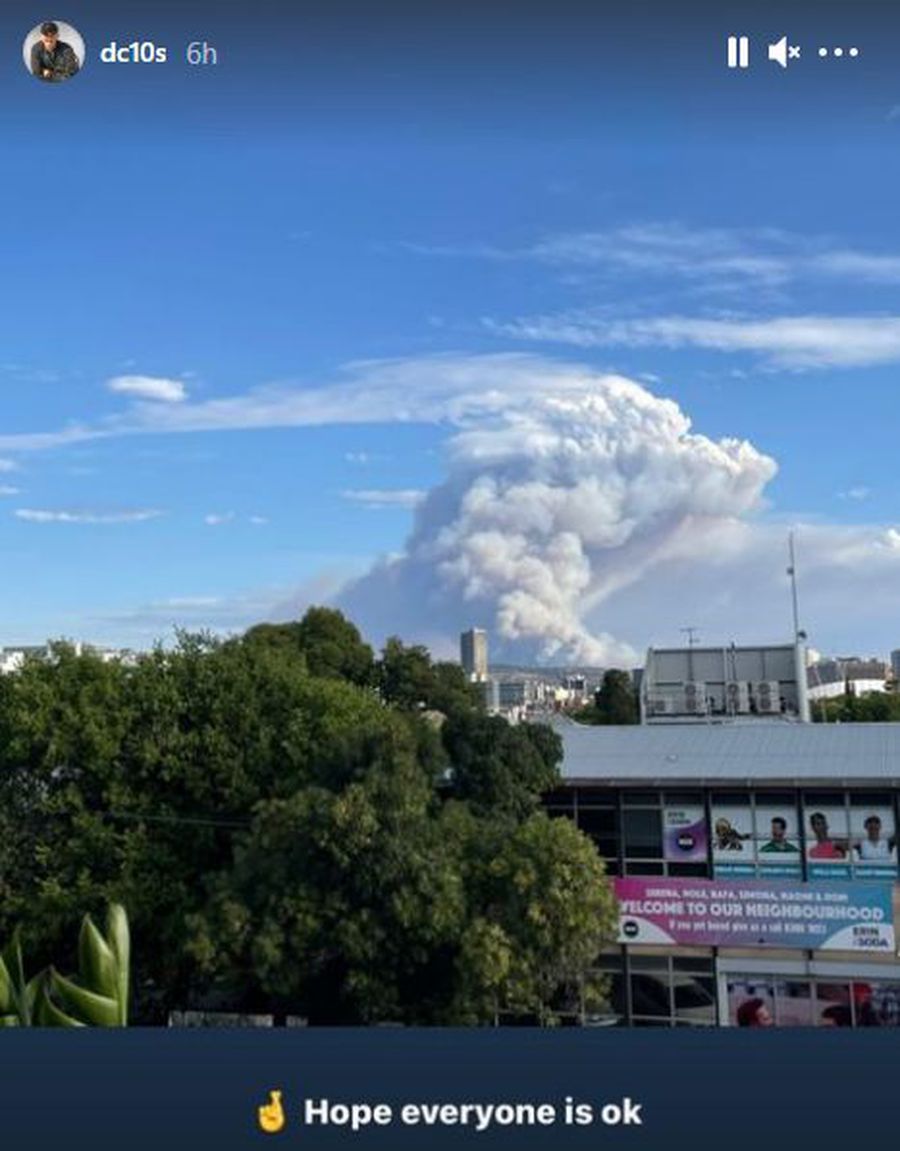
(650, 994)
(793, 1003)
(649, 963)
(695, 998)
(776, 799)
(597, 821)
(824, 798)
(698, 869)
(642, 834)
(597, 797)
(643, 867)
(697, 966)
(870, 798)
(642, 798)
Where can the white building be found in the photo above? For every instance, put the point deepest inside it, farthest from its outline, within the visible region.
(724, 683)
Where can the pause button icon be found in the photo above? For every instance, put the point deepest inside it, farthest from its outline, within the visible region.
(738, 52)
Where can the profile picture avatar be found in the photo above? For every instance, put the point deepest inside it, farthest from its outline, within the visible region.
(53, 52)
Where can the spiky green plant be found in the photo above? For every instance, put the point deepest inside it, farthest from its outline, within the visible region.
(97, 996)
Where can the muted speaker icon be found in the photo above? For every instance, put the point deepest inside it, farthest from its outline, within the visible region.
(782, 52)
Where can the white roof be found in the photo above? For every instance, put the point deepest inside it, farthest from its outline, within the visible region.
(733, 753)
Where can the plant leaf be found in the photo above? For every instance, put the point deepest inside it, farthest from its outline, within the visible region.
(96, 961)
(100, 1010)
(118, 937)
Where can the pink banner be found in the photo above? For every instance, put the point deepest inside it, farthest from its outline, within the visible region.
(757, 913)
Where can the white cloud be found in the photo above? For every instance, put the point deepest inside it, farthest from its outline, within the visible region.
(48, 516)
(8, 466)
(381, 498)
(153, 388)
(259, 521)
(858, 493)
(793, 342)
(720, 259)
(216, 519)
(8, 490)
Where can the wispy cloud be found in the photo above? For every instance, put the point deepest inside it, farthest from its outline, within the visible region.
(718, 259)
(154, 388)
(7, 466)
(61, 516)
(8, 490)
(795, 342)
(217, 519)
(259, 521)
(449, 388)
(857, 494)
(379, 498)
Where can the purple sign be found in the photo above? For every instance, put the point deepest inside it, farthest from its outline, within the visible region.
(757, 913)
(684, 834)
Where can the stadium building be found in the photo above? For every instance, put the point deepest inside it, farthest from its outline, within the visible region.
(755, 863)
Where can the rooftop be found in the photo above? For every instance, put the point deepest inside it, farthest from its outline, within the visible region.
(779, 752)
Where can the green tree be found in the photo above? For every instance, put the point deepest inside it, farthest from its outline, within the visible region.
(287, 840)
(330, 644)
(614, 703)
(873, 707)
(544, 913)
(498, 768)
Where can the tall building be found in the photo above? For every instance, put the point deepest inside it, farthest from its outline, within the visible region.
(473, 653)
(895, 664)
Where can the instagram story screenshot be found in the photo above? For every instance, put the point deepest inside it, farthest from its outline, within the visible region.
(450, 532)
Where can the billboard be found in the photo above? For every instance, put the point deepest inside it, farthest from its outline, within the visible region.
(765, 841)
(757, 913)
(684, 834)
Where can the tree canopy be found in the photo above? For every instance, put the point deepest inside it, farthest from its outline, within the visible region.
(614, 703)
(291, 832)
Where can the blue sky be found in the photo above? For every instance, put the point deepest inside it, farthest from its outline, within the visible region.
(237, 307)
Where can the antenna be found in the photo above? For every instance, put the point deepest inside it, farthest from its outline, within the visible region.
(799, 638)
(792, 572)
(691, 633)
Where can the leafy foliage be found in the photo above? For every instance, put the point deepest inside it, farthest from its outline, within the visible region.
(873, 707)
(614, 703)
(97, 996)
(293, 830)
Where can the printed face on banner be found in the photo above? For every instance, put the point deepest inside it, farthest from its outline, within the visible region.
(685, 834)
(777, 834)
(751, 1002)
(827, 835)
(873, 835)
(732, 834)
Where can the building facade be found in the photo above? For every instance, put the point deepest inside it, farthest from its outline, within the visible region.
(755, 866)
(473, 653)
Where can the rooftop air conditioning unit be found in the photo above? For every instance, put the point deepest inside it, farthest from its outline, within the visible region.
(737, 697)
(768, 697)
(662, 706)
(695, 698)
